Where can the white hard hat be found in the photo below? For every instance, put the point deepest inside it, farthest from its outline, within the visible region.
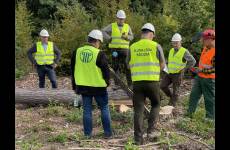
(121, 14)
(148, 26)
(176, 37)
(96, 34)
(44, 33)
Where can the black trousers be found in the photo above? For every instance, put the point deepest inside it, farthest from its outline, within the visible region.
(142, 90)
(48, 70)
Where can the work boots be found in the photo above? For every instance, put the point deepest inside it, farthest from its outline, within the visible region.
(153, 135)
(139, 141)
(152, 132)
(172, 102)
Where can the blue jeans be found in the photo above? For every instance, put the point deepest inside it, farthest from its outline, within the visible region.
(42, 70)
(102, 102)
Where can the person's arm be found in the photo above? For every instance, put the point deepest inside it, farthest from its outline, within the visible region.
(130, 34)
(30, 54)
(161, 57)
(190, 60)
(106, 31)
(72, 67)
(210, 70)
(58, 54)
(102, 63)
(128, 59)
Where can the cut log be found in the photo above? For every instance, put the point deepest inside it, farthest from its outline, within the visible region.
(166, 110)
(166, 113)
(124, 108)
(43, 96)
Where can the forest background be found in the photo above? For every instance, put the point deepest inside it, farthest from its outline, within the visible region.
(69, 21)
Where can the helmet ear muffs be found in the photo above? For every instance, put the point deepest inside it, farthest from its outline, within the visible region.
(209, 34)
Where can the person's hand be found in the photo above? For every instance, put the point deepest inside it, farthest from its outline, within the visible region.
(108, 83)
(182, 71)
(195, 69)
(34, 65)
(54, 65)
(75, 89)
(124, 36)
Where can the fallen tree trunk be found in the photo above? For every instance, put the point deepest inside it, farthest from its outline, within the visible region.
(43, 96)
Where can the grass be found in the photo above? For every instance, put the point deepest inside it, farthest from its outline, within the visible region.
(167, 139)
(75, 115)
(196, 126)
(122, 123)
(30, 144)
(54, 109)
(197, 123)
(60, 138)
(129, 145)
(19, 73)
(127, 117)
(77, 136)
(175, 138)
(210, 141)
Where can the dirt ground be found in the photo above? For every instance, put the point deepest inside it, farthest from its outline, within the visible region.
(36, 124)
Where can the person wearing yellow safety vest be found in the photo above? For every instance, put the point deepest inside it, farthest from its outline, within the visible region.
(90, 78)
(146, 60)
(119, 34)
(44, 59)
(179, 59)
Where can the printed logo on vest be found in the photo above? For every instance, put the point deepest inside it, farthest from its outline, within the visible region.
(86, 56)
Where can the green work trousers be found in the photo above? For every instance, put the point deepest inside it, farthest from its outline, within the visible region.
(205, 86)
(175, 79)
(142, 90)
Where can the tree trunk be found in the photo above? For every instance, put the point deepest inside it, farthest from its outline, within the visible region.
(43, 96)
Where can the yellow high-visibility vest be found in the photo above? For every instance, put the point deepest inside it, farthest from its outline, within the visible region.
(86, 71)
(144, 64)
(43, 57)
(117, 41)
(175, 62)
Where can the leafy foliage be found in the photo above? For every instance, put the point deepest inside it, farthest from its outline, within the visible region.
(23, 29)
(66, 33)
(61, 138)
(69, 22)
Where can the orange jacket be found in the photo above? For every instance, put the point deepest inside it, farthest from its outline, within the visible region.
(206, 62)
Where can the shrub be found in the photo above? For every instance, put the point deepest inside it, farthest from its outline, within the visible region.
(23, 29)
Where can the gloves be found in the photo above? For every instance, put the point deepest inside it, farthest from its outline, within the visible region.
(165, 69)
(195, 69)
(114, 54)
